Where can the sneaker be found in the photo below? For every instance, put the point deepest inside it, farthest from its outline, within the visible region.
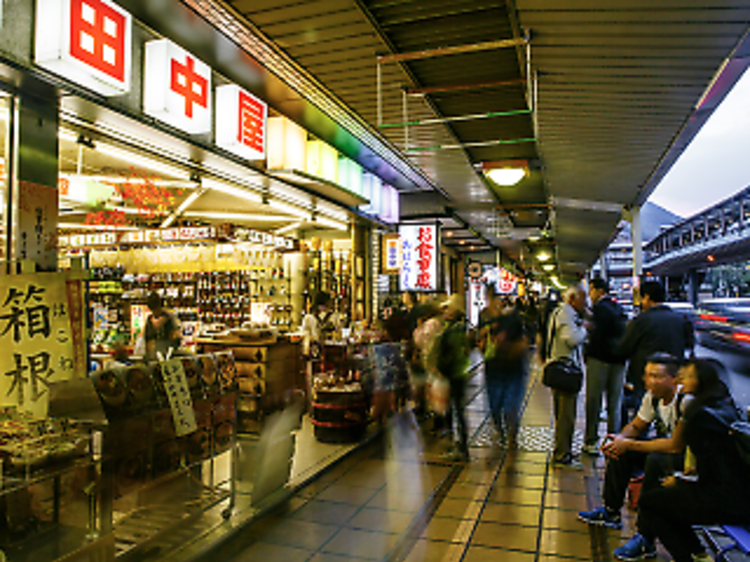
(602, 517)
(567, 462)
(637, 548)
(591, 449)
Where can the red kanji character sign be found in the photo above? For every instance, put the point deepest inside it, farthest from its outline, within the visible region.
(177, 87)
(240, 122)
(97, 36)
(87, 41)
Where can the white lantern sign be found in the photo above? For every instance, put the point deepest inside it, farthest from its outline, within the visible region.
(177, 87)
(89, 42)
(419, 257)
(241, 122)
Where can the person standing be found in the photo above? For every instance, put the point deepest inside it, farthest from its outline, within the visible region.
(657, 328)
(163, 332)
(566, 337)
(605, 371)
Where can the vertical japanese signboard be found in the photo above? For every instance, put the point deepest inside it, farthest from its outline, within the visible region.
(420, 251)
(86, 41)
(36, 237)
(391, 254)
(177, 87)
(41, 331)
(241, 122)
(178, 393)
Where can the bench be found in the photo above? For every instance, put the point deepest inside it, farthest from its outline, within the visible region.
(729, 539)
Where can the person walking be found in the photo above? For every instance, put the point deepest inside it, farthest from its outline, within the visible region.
(566, 337)
(605, 371)
(657, 328)
(452, 361)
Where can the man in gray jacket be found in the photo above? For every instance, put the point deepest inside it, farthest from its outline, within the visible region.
(567, 335)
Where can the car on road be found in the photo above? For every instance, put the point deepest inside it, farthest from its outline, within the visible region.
(724, 324)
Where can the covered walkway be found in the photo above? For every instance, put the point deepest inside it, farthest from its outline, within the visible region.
(398, 500)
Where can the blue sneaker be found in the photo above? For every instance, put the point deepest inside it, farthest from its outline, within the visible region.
(637, 548)
(602, 517)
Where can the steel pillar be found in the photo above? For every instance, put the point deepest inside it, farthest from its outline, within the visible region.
(637, 238)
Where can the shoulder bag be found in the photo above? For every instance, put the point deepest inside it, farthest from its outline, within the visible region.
(561, 374)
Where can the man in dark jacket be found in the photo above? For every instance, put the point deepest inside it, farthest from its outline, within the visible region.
(605, 372)
(657, 328)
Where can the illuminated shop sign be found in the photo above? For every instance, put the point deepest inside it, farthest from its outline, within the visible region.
(177, 87)
(419, 257)
(391, 254)
(241, 122)
(86, 41)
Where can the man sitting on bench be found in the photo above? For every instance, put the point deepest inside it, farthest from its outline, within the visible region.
(662, 406)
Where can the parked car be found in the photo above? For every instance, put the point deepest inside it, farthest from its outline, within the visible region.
(724, 324)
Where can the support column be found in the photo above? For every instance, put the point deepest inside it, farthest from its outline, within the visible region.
(33, 168)
(693, 285)
(637, 238)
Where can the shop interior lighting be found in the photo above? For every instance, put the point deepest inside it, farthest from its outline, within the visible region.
(288, 228)
(81, 226)
(177, 184)
(289, 209)
(556, 282)
(543, 256)
(192, 198)
(142, 161)
(548, 267)
(227, 189)
(323, 221)
(253, 217)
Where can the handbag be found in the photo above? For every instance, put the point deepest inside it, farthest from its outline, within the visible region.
(561, 374)
(564, 375)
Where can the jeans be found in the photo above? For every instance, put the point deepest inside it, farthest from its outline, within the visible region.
(603, 379)
(565, 420)
(505, 393)
(670, 513)
(456, 413)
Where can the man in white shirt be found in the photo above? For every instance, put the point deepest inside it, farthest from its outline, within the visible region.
(661, 407)
(567, 335)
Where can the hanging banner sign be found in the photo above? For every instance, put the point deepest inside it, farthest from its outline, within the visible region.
(41, 329)
(241, 122)
(177, 87)
(419, 257)
(178, 393)
(37, 225)
(86, 41)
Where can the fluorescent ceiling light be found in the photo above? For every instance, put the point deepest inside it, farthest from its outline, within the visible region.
(184, 205)
(289, 209)
(142, 161)
(323, 221)
(239, 192)
(237, 216)
(548, 267)
(506, 177)
(177, 184)
(67, 135)
(543, 256)
(288, 228)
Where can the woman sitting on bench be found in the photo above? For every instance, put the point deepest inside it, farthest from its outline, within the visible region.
(721, 492)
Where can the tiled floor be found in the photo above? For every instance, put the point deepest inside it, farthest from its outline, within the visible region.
(398, 500)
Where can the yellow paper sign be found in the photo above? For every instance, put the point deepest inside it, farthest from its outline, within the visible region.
(41, 332)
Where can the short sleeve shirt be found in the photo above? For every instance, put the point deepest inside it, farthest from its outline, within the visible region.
(667, 412)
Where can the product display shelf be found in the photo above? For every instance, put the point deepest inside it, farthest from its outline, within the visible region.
(329, 273)
(266, 372)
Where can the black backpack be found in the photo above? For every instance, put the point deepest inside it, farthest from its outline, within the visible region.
(739, 432)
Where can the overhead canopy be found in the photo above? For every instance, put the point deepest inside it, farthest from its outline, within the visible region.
(619, 87)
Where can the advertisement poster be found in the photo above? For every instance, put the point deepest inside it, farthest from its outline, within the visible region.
(37, 225)
(41, 326)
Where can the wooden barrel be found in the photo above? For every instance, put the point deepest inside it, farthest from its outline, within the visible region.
(339, 416)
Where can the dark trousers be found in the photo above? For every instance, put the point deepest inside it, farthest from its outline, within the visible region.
(564, 404)
(669, 513)
(619, 471)
(456, 413)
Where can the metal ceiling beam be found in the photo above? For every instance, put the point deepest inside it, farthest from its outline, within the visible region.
(453, 50)
(488, 115)
(460, 87)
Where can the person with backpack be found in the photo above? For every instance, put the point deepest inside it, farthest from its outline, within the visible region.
(662, 407)
(452, 362)
(720, 494)
(605, 371)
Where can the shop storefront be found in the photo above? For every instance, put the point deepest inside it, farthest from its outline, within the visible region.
(135, 177)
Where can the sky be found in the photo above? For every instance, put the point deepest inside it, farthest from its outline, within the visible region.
(717, 163)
